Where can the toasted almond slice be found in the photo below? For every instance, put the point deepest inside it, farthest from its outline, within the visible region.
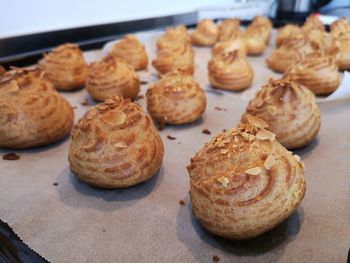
(121, 145)
(265, 135)
(271, 110)
(269, 162)
(224, 181)
(253, 171)
(221, 144)
(114, 117)
(257, 122)
(223, 151)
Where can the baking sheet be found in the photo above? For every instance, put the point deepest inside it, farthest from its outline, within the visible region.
(73, 222)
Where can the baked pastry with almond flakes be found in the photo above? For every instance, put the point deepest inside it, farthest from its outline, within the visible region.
(205, 34)
(228, 28)
(65, 67)
(115, 145)
(130, 49)
(174, 36)
(244, 182)
(255, 40)
(341, 50)
(111, 77)
(265, 23)
(230, 71)
(232, 44)
(286, 32)
(176, 99)
(318, 72)
(289, 53)
(289, 109)
(32, 113)
(179, 57)
(313, 22)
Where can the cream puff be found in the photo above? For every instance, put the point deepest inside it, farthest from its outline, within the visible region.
(339, 26)
(65, 67)
(181, 58)
(32, 113)
(265, 23)
(115, 145)
(313, 22)
(244, 182)
(286, 32)
(230, 71)
(318, 72)
(228, 29)
(341, 50)
(174, 36)
(205, 34)
(238, 43)
(289, 53)
(255, 40)
(132, 51)
(111, 77)
(289, 109)
(175, 99)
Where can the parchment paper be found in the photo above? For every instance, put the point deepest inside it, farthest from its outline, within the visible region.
(73, 222)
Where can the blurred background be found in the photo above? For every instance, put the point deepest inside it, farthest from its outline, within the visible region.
(35, 16)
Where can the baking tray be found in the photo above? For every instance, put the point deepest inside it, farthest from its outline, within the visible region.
(66, 220)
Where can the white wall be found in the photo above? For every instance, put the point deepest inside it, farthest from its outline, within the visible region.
(19, 17)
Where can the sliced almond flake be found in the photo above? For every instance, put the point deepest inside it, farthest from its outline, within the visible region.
(234, 146)
(265, 135)
(121, 145)
(253, 171)
(223, 151)
(235, 139)
(245, 136)
(221, 144)
(224, 181)
(271, 110)
(269, 162)
(257, 122)
(226, 141)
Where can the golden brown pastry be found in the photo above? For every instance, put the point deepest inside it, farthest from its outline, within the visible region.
(265, 23)
(316, 71)
(244, 182)
(174, 36)
(230, 71)
(65, 67)
(339, 26)
(288, 53)
(341, 50)
(228, 29)
(255, 40)
(115, 145)
(181, 58)
(320, 40)
(132, 51)
(32, 113)
(232, 44)
(313, 23)
(176, 99)
(205, 34)
(262, 21)
(289, 109)
(286, 32)
(111, 77)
